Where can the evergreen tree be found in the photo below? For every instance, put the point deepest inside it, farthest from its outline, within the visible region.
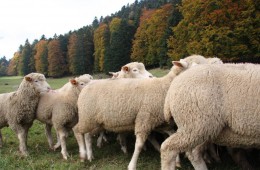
(120, 45)
(64, 40)
(25, 58)
(3, 66)
(75, 54)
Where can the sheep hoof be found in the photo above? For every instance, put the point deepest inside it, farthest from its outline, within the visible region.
(24, 154)
(90, 158)
(124, 150)
(99, 145)
(82, 160)
(56, 146)
(178, 164)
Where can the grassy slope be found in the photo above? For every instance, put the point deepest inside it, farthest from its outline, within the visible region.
(109, 157)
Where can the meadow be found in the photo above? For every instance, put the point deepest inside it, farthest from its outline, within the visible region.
(109, 157)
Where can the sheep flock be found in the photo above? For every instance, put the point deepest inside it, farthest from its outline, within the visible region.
(199, 105)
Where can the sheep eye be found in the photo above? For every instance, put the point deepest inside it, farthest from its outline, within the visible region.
(135, 70)
(36, 81)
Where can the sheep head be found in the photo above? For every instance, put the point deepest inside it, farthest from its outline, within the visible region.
(38, 82)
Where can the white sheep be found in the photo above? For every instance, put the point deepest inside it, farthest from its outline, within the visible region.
(125, 105)
(217, 103)
(132, 70)
(17, 109)
(59, 109)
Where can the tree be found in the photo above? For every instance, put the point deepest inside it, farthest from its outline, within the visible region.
(227, 29)
(41, 57)
(149, 45)
(64, 40)
(121, 35)
(77, 59)
(56, 62)
(25, 58)
(12, 69)
(3, 66)
(101, 46)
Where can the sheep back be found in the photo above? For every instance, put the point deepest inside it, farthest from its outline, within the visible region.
(214, 97)
(115, 104)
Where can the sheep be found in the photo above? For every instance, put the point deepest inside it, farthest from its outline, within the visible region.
(17, 109)
(124, 105)
(59, 109)
(216, 103)
(195, 59)
(132, 70)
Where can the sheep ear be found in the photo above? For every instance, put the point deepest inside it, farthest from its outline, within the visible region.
(125, 69)
(28, 78)
(114, 74)
(73, 82)
(181, 63)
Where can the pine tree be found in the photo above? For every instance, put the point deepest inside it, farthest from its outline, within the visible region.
(25, 58)
(120, 45)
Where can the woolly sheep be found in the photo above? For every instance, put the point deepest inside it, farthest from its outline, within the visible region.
(124, 105)
(195, 59)
(59, 109)
(217, 103)
(17, 109)
(132, 70)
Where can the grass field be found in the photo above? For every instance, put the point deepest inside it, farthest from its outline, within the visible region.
(109, 157)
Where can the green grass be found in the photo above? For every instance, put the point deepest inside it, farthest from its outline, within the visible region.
(109, 157)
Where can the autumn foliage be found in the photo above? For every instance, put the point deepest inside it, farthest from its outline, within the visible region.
(149, 31)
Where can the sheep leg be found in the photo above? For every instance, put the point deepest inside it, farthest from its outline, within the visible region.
(81, 143)
(213, 153)
(1, 140)
(88, 142)
(100, 138)
(58, 144)
(154, 142)
(177, 142)
(169, 132)
(121, 137)
(169, 155)
(22, 136)
(196, 158)
(48, 135)
(139, 143)
(63, 135)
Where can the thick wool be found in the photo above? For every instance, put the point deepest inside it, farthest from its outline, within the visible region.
(17, 109)
(59, 109)
(217, 103)
(125, 105)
